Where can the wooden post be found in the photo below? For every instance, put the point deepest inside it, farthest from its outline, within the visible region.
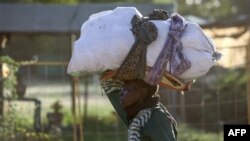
(183, 107)
(1, 84)
(86, 93)
(3, 42)
(76, 110)
(74, 85)
(73, 107)
(248, 75)
(218, 105)
(79, 116)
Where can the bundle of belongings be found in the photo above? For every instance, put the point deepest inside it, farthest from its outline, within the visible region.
(136, 54)
(166, 48)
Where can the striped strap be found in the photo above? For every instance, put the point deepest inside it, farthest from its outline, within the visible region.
(134, 131)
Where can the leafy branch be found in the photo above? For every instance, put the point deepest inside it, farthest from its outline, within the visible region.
(10, 79)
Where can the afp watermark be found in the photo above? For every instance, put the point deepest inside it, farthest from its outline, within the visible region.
(236, 132)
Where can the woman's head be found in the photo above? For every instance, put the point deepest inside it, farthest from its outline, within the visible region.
(136, 91)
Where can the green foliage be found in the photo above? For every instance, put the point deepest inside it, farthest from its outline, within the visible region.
(22, 134)
(233, 78)
(105, 128)
(10, 81)
(222, 95)
(11, 130)
(213, 9)
(234, 88)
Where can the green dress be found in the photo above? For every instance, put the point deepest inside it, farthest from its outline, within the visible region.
(160, 126)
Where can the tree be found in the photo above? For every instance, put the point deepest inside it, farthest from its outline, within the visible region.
(214, 9)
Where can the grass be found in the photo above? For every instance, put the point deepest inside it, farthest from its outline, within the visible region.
(102, 124)
(187, 133)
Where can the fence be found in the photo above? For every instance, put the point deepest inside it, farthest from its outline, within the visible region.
(218, 98)
(215, 99)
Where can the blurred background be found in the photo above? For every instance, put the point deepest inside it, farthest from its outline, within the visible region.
(40, 102)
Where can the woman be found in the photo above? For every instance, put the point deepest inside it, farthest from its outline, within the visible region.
(137, 104)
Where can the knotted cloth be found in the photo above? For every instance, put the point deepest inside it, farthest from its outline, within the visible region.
(171, 53)
(134, 65)
(145, 32)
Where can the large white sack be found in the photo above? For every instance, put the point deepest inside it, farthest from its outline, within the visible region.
(106, 40)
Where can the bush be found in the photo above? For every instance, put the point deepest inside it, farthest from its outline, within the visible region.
(12, 130)
(21, 134)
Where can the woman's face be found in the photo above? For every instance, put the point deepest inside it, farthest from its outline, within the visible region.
(130, 94)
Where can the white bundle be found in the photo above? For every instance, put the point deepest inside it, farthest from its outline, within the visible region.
(106, 39)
